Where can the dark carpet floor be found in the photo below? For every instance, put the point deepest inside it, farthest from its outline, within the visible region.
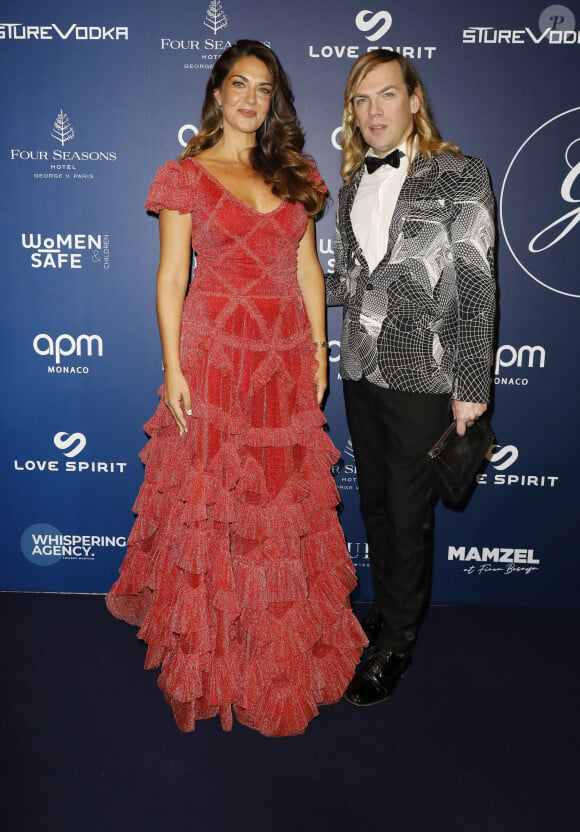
(481, 736)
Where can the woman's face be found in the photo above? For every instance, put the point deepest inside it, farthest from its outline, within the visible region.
(245, 95)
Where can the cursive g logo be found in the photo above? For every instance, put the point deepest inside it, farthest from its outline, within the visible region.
(504, 457)
(540, 204)
(550, 235)
(70, 443)
(367, 20)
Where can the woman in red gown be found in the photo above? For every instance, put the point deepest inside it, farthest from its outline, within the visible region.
(236, 570)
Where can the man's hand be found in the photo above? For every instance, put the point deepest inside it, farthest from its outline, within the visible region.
(466, 413)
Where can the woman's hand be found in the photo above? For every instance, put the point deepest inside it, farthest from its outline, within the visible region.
(321, 374)
(177, 397)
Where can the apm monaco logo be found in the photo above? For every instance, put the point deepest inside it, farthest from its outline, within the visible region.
(206, 49)
(52, 31)
(58, 162)
(65, 346)
(374, 25)
(556, 27)
(44, 545)
(516, 359)
(502, 458)
(543, 240)
(67, 251)
(71, 445)
(504, 561)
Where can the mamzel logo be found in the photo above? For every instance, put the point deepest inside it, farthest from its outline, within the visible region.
(374, 26)
(21, 31)
(494, 559)
(552, 151)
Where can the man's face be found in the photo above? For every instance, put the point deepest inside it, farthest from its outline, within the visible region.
(384, 109)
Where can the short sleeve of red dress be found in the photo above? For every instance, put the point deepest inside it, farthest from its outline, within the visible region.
(172, 189)
(317, 179)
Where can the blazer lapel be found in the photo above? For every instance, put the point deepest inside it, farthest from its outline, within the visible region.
(414, 183)
(353, 244)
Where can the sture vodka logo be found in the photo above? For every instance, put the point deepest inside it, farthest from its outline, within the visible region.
(52, 31)
(546, 251)
(556, 27)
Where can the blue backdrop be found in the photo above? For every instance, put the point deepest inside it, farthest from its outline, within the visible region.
(97, 96)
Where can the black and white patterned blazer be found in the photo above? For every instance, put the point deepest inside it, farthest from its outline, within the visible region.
(422, 321)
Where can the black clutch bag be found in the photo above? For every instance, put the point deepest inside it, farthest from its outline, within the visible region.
(454, 460)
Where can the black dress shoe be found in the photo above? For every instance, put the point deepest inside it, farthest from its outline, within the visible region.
(376, 680)
(372, 625)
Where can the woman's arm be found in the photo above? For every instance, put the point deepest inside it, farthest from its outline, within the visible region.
(172, 278)
(311, 282)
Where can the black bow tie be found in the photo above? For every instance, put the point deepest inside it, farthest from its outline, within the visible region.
(373, 163)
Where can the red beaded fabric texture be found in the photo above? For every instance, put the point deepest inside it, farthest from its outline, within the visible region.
(236, 572)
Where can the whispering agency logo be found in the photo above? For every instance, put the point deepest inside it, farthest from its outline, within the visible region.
(44, 545)
(540, 213)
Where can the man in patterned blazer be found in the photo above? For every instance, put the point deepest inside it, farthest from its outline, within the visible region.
(414, 273)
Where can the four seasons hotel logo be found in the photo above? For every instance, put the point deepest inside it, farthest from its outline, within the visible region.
(215, 18)
(62, 129)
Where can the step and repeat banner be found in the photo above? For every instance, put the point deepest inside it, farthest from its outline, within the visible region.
(97, 96)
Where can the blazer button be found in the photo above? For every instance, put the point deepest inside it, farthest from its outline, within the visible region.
(370, 287)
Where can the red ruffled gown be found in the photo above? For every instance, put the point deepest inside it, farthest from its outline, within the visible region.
(236, 569)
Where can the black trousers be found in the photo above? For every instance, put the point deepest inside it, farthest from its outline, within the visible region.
(391, 432)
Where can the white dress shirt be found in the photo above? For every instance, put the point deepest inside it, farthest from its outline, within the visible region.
(373, 207)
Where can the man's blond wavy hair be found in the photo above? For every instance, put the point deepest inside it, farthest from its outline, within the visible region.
(424, 133)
